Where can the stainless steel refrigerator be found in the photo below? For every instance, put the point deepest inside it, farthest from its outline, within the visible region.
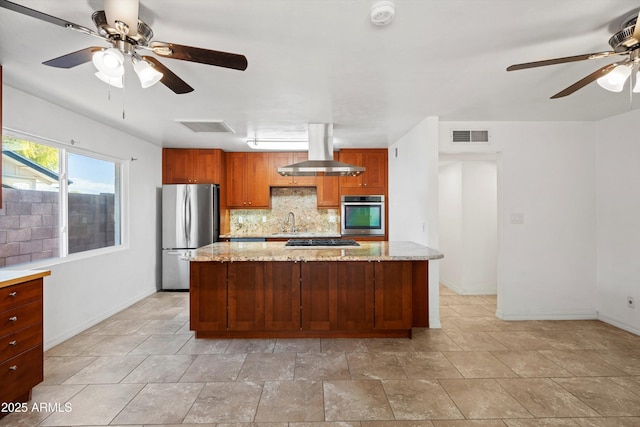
(190, 219)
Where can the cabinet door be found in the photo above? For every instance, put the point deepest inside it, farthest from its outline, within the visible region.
(0, 134)
(353, 158)
(177, 166)
(328, 191)
(355, 295)
(277, 160)
(302, 181)
(319, 290)
(393, 295)
(246, 296)
(376, 163)
(282, 296)
(208, 165)
(257, 179)
(208, 296)
(236, 173)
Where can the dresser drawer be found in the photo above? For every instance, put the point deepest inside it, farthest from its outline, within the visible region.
(19, 341)
(21, 373)
(17, 295)
(13, 320)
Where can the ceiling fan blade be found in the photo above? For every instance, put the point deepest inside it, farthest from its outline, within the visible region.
(203, 56)
(585, 81)
(35, 14)
(561, 60)
(169, 79)
(636, 30)
(73, 59)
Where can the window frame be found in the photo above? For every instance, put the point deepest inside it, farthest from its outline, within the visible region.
(121, 200)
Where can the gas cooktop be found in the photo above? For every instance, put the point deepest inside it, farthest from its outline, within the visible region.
(321, 242)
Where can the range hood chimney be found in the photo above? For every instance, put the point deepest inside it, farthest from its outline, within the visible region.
(321, 156)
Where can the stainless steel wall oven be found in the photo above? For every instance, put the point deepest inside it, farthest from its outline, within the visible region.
(362, 215)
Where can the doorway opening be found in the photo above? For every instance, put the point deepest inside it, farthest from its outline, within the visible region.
(468, 222)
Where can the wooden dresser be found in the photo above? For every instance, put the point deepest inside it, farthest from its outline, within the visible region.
(21, 353)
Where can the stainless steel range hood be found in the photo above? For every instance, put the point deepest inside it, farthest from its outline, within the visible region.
(321, 156)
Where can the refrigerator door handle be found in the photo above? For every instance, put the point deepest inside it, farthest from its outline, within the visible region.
(185, 224)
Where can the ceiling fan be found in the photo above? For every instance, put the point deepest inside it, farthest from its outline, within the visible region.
(118, 24)
(626, 42)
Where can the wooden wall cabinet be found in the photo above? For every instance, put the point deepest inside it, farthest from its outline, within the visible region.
(279, 159)
(248, 180)
(328, 191)
(21, 352)
(192, 166)
(373, 180)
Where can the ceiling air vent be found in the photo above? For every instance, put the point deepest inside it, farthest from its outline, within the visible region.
(218, 126)
(469, 136)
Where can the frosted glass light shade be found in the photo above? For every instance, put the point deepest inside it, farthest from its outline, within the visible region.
(124, 11)
(146, 73)
(109, 62)
(113, 81)
(636, 87)
(614, 81)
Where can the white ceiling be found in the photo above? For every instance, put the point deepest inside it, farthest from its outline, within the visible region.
(314, 61)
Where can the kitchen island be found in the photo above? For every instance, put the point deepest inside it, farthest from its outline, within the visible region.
(267, 290)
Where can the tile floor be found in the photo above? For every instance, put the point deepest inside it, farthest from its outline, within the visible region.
(143, 367)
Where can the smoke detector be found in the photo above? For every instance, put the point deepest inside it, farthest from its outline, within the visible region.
(382, 12)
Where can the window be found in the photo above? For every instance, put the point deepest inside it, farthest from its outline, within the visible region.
(45, 216)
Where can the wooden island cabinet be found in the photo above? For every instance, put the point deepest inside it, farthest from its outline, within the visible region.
(308, 293)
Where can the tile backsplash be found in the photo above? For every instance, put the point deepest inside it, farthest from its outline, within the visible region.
(302, 201)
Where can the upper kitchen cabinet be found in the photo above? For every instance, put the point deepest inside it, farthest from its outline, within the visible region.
(279, 159)
(192, 166)
(373, 180)
(248, 180)
(328, 191)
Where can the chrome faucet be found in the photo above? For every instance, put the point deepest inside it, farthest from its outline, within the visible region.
(293, 221)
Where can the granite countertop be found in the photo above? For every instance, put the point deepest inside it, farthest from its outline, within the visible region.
(13, 277)
(277, 251)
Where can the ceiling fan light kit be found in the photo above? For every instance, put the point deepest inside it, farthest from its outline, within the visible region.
(612, 77)
(119, 25)
(615, 80)
(112, 81)
(109, 62)
(146, 73)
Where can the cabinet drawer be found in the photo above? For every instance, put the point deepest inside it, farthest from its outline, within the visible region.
(13, 320)
(23, 293)
(21, 373)
(19, 341)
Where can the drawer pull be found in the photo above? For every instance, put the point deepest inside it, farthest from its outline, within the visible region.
(14, 342)
(13, 367)
(13, 294)
(13, 318)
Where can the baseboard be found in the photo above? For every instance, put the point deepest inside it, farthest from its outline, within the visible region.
(578, 315)
(618, 324)
(52, 342)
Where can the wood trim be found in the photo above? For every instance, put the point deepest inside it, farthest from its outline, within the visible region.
(0, 136)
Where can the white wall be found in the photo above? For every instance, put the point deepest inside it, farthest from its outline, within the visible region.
(82, 291)
(618, 212)
(546, 174)
(413, 198)
(468, 226)
(450, 233)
